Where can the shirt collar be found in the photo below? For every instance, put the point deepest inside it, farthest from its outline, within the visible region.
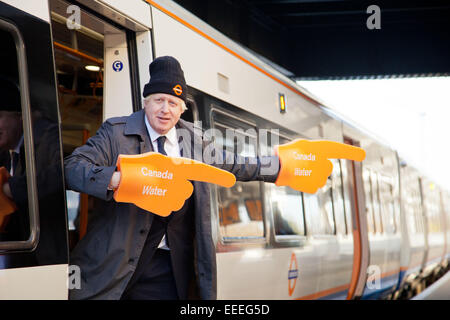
(171, 135)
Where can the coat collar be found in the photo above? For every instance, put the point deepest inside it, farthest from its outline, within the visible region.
(135, 125)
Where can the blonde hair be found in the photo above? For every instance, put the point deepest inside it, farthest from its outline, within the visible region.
(183, 104)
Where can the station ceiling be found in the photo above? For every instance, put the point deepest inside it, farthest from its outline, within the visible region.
(330, 39)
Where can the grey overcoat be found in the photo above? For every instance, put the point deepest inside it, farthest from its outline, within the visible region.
(110, 250)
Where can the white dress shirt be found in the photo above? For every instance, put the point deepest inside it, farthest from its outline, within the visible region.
(172, 149)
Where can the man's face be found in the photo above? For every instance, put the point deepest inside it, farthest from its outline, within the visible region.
(10, 129)
(163, 111)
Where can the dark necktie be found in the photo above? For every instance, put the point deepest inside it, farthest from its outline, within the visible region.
(160, 141)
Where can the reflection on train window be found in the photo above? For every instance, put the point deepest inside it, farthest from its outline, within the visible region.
(319, 211)
(370, 214)
(387, 203)
(446, 206)
(287, 211)
(240, 217)
(14, 210)
(286, 203)
(415, 203)
(79, 56)
(412, 203)
(432, 206)
(376, 202)
(240, 207)
(338, 197)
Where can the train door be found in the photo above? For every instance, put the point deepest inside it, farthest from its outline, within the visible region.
(359, 226)
(101, 59)
(33, 233)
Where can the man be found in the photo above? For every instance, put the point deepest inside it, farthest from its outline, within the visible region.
(129, 253)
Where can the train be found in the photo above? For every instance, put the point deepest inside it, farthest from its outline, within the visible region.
(379, 229)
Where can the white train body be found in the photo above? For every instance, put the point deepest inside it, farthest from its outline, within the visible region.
(377, 229)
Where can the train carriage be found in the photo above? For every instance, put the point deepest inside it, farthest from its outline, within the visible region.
(372, 228)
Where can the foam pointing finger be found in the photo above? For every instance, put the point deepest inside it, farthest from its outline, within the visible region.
(337, 150)
(198, 171)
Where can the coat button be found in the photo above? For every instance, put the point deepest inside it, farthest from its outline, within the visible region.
(131, 260)
(92, 179)
(142, 231)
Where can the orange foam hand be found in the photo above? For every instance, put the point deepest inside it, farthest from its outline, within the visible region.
(305, 166)
(7, 206)
(159, 183)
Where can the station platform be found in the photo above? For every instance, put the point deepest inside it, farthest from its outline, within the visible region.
(440, 290)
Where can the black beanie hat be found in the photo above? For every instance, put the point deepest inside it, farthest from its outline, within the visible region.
(166, 76)
(9, 92)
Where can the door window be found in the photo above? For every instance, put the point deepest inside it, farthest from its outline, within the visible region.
(18, 198)
(286, 203)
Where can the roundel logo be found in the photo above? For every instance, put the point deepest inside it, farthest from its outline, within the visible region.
(117, 66)
(177, 89)
(292, 274)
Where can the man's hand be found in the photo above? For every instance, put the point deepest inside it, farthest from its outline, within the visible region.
(114, 182)
(7, 206)
(305, 165)
(159, 183)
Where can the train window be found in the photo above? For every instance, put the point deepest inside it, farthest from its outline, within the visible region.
(420, 217)
(286, 203)
(369, 201)
(433, 210)
(446, 202)
(376, 202)
(319, 213)
(387, 203)
(240, 207)
(338, 197)
(412, 203)
(79, 59)
(287, 209)
(416, 203)
(19, 222)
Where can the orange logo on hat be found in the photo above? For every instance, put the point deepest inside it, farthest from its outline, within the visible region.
(177, 89)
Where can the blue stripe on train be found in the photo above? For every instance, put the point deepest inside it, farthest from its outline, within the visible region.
(341, 295)
(387, 283)
(386, 286)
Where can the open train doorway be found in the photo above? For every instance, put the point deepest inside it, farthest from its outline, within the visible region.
(94, 82)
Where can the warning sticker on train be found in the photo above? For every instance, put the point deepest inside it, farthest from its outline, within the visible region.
(292, 274)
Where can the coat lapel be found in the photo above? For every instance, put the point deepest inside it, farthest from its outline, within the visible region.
(135, 125)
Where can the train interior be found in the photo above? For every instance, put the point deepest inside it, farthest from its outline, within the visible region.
(79, 60)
